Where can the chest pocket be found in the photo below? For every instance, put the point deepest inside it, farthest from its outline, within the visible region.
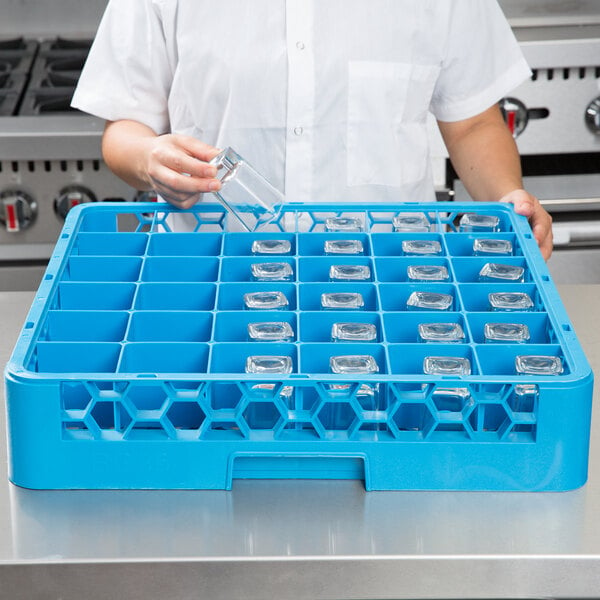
(387, 140)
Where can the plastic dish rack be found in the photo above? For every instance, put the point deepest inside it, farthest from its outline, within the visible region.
(130, 368)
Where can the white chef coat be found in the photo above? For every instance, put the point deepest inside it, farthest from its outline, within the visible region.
(327, 98)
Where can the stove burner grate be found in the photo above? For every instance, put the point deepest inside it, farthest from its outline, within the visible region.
(52, 74)
(48, 101)
(65, 45)
(19, 44)
(9, 102)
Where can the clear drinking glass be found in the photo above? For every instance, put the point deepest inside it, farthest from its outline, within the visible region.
(484, 247)
(367, 394)
(245, 192)
(270, 331)
(429, 301)
(506, 333)
(412, 222)
(353, 364)
(353, 332)
(345, 224)
(266, 301)
(446, 365)
(451, 399)
(448, 333)
(510, 301)
(271, 247)
(477, 222)
(349, 273)
(421, 247)
(525, 398)
(343, 247)
(500, 272)
(530, 364)
(269, 365)
(272, 271)
(427, 273)
(342, 301)
(286, 393)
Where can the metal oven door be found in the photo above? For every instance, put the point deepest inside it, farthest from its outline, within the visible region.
(574, 203)
(22, 265)
(20, 277)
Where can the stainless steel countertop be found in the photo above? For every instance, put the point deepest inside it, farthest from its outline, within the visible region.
(301, 539)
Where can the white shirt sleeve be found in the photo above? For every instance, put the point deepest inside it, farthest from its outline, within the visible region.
(128, 73)
(482, 61)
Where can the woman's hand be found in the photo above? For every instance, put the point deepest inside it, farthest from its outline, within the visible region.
(178, 169)
(541, 222)
(175, 166)
(486, 158)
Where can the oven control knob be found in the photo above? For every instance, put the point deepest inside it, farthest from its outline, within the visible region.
(150, 196)
(515, 114)
(17, 210)
(592, 116)
(71, 196)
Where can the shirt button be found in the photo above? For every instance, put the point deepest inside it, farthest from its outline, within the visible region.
(298, 130)
(300, 45)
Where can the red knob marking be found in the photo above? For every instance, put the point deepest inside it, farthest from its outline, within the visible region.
(12, 223)
(511, 120)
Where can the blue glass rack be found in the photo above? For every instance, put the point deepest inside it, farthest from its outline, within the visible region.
(130, 370)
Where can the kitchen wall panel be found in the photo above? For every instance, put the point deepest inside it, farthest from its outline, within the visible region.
(35, 18)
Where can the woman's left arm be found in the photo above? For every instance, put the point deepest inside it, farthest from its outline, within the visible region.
(485, 157)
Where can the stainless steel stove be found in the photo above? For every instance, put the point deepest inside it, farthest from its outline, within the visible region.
(54, 75)
(16, 59)
(555, 118)
(50, 157)
(50, 154)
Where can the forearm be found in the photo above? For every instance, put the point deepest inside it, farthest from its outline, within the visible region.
(486, 159)
(484, 155)
(125, 148)
(176, 166)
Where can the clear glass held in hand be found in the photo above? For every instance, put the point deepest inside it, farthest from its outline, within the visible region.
(245, 193)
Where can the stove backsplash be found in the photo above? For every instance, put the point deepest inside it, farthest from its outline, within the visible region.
(48, 18)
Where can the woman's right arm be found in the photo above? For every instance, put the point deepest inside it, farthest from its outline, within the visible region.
(175, 166)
